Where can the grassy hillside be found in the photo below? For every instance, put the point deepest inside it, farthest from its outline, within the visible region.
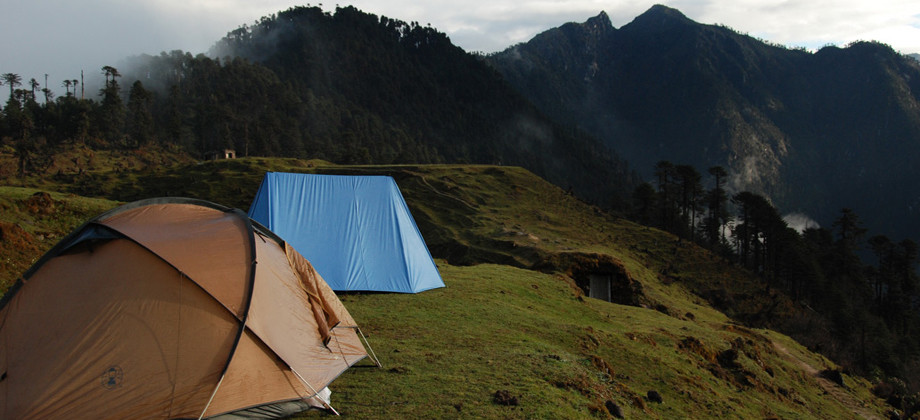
(498, 330)
(513, 335)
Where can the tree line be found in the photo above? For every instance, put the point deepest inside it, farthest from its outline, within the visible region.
(872, 307)
(212, 105)
(348, 87)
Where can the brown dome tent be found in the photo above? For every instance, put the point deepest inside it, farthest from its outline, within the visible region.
(171, 308)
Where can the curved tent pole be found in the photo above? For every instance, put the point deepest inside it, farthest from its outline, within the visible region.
(242, 329)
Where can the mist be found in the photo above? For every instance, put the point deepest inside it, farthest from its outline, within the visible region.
(800, 222)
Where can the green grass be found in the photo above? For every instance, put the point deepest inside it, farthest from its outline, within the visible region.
(511, 250)
(64, 213)
(445, 352)
(31, 224)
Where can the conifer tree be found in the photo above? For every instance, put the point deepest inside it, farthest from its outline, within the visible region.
(111, 113)
(717, 215)
(140, 119)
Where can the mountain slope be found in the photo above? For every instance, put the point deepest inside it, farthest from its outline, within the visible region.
(815, 132)
(353, 87)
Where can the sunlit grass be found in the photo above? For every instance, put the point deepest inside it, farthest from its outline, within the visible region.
(446, 352)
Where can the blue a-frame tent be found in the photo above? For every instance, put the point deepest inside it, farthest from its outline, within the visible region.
(356, 230)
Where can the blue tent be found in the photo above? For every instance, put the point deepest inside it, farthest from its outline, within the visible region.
(356, 230)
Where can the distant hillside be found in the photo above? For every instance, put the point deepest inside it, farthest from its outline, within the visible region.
(814, 131)
(352, 87)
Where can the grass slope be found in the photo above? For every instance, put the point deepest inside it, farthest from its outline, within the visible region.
(512, 335)
(494, 328)
(32, 221)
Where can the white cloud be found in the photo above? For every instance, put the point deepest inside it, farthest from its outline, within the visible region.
(800, 222)
(62, 37)
(815, 23)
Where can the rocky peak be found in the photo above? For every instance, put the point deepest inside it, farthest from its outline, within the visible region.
(599, 23)
(659, 16)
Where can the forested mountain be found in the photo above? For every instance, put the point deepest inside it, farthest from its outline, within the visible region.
(352, 87)
(816, 132)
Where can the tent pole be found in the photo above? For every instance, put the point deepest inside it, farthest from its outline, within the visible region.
(222, 376)
(210, 400)
(248, 304)
(368, 344)
(315, 392)
(371, 354)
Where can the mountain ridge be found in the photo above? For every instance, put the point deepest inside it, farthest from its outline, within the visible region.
(358, 88)
(786, 123)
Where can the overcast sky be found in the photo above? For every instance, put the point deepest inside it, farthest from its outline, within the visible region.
(63, 37)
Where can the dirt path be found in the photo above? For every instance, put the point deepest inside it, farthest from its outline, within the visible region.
(831, 388)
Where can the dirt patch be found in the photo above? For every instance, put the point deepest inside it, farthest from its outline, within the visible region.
(14, 237)
(602, 366)
(838, 393)
(641, 337)
(590, 342)
(761, 339)
(726, 364)
(504, 397)
(633, 397)
(754, 350)
(40, 203)
(19, 248)
(695, 346)
(580, 383)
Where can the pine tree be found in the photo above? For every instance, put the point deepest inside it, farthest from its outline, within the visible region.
(140, 119)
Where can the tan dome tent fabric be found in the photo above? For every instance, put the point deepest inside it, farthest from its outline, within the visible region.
(170, 308)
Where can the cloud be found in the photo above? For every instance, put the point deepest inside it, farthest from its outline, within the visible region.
(487, 26)
(816, 23)
(800, 221)
(63, 37)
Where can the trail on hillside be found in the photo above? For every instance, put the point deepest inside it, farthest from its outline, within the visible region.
(437, 191)
(831, 388)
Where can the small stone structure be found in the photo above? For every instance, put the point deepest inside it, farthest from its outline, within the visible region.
(221, 154)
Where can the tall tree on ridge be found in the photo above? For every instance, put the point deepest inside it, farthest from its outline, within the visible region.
(689, 184)
(112, 113)
(644, 203)
(140, 119)
(12, 80)
(717, 213)
(665, 172)
(33, 85)
(850, 229)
